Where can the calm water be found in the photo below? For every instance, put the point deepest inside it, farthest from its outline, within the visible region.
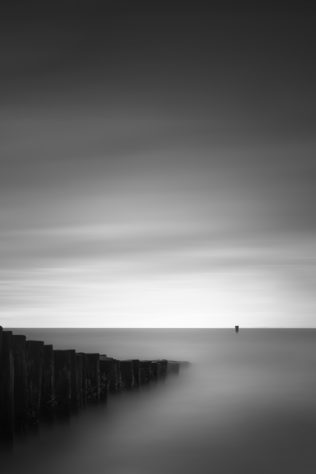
(246, 405)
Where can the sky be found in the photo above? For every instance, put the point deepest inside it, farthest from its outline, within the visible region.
(157, 164)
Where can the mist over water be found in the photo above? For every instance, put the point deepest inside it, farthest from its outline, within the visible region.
(246, 404)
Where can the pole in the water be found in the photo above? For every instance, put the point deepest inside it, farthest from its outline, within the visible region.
(236, 328)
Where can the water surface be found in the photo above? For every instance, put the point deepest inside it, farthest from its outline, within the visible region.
(247, 404)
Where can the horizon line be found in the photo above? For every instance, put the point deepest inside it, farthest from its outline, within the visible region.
(158, 327)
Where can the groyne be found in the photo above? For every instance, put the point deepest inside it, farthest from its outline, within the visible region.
(39, 382)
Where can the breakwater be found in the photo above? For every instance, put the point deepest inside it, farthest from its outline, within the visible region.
(39, 382)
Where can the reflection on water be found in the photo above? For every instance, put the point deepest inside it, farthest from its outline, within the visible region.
(246, 404)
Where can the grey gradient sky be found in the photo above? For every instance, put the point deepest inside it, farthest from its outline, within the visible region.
(157, 164)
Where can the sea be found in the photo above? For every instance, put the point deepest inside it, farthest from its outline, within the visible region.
(246, 404)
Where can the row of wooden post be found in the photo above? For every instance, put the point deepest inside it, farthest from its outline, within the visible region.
(38, 381)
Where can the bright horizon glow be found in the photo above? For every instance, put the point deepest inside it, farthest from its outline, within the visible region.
(243, 288)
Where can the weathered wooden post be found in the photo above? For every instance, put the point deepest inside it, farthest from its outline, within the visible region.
(142, 373)
(6, 387)
(104, 378)
(80, 361)
(34, 361)
(159, 368)
(48, 401)
(93, 377)
(127, 374)
(62, 359)
(164, 368)
(145, 371)
(154, 370)
(20, 381)
(136, 372)
(112, 368)
(75, 385)
(109, 368)
(118, 374)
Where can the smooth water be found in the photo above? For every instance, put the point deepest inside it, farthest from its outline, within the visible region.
(247, 404)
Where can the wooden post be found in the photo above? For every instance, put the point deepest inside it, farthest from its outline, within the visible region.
(108, 366)
(127, 374)
(118, 374)
(159, 368)
(154, 370)
(83, 362)
(136, 371)
(164, 368)
(20, 381)
(104, 378)
(48, 383)
(93, 377)
(62, 359)
(145, 371)
(34, 361)
(6, 387)
(113, 373)
(74, 374)
(142, 373)
(80, 361)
